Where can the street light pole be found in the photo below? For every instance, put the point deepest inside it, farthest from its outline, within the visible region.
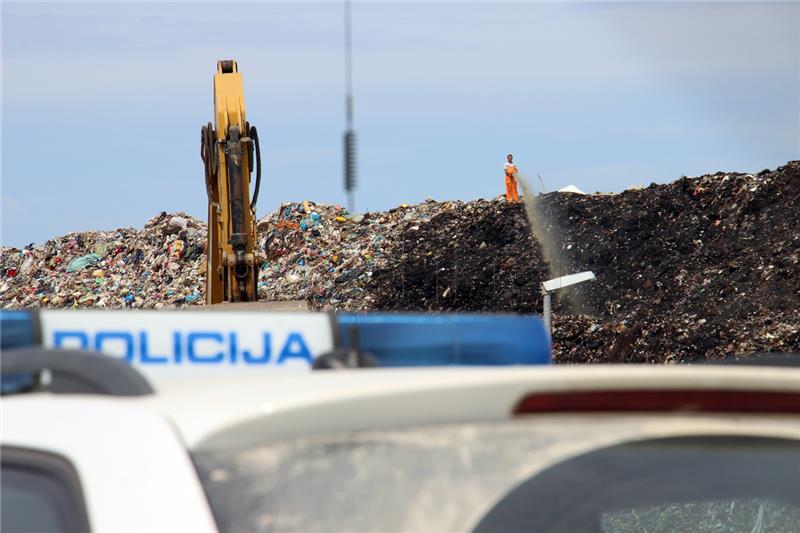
(552, 285)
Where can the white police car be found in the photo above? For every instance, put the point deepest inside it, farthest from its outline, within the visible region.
(89, 445)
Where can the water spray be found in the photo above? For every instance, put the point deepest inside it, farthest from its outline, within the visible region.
(550, 253)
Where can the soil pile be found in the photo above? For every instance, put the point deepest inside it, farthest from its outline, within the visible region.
(701, 267)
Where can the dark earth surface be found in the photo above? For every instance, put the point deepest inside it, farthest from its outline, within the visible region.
(699, 268)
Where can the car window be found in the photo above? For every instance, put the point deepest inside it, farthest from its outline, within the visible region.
(715, 483)
(429, 478)
(40, 492)
(740, 514)
(504, 476)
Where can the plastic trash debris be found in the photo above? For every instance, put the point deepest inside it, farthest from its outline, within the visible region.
(176, 249)
(79, 263)
(177, 223)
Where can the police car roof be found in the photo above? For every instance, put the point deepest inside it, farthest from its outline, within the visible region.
(255, 410)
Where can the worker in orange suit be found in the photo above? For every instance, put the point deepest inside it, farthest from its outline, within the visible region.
(512, 196)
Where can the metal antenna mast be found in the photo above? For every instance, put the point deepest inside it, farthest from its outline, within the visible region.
(349, 134)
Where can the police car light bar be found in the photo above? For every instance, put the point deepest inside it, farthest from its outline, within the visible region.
(449, 339)
(170, 345)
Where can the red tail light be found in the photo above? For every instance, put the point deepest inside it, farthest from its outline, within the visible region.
(724, 401)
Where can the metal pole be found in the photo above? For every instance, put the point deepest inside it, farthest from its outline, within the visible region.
(349, 136)
(547, 311)
(348, 66)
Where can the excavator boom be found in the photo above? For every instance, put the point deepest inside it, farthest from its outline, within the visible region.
(227, 148)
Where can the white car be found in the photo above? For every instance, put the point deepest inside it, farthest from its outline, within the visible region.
(90, 447)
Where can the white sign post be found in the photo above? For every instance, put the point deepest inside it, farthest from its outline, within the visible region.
(552, 285)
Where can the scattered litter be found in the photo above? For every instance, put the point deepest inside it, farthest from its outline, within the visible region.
(79, 263)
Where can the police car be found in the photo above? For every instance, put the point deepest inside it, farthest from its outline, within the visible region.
(89, 443)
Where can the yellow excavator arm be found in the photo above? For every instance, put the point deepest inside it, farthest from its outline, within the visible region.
(227, 148)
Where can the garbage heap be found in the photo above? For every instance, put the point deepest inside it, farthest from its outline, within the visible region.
(322, 254)
(155, 267)
(699, 268)
(316, 252)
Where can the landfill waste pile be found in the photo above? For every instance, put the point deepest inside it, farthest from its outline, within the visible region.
(699, 268)
(703, 267)
(158, 266)
(316, 252)
(322, 254)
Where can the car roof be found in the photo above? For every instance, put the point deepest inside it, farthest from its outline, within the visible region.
(253, 410)
(123, 453)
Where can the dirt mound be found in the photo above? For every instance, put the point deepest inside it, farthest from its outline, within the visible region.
(698, 268)
(701, 267)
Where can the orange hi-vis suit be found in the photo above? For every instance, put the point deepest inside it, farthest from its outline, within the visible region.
(511, 183)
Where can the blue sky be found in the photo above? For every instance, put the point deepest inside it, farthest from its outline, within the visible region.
(102, 103)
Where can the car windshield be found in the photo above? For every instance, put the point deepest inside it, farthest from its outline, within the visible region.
(504, 477)
(752, 514)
